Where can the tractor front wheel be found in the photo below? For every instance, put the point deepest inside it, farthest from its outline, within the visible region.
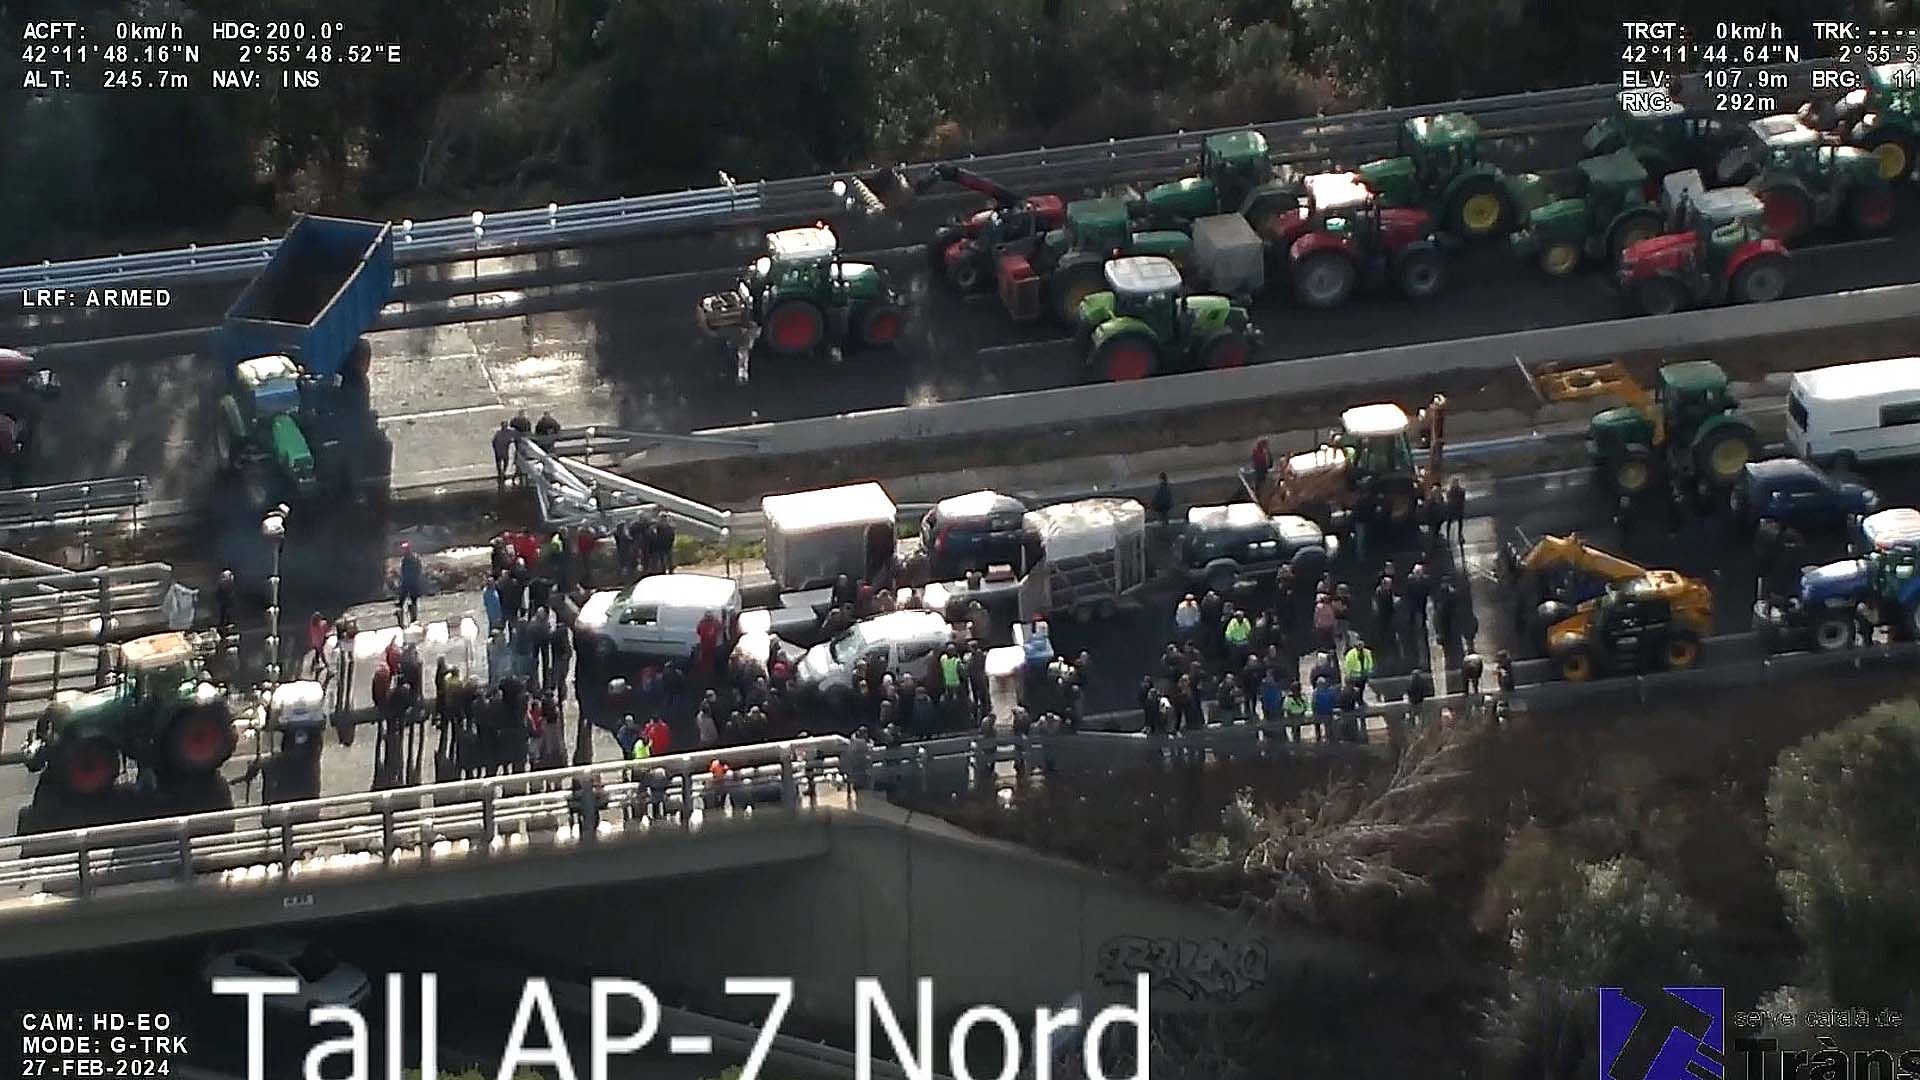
(1832, 630)
(1723, 454)
(1760, 279)
(1324, 279)
(879, 326)
(1574, 662)
(1070, 287)
(967, 275)
(1634, 471)
(795, 327)
(1659, 295)
(1229, 349)
(1126, 357)
(1635, 226)
(88, 767)
(1896, 154)
(1480, 209)
(1560, 259)
(1681, 652)
(1870, 211)
(199, 742)
(1422, 273)
(1788, 214)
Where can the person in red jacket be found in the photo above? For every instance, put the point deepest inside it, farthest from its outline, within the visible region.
(659, 737)
(708, 632)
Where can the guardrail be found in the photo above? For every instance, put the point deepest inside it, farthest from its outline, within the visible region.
(70, 505)
(481, 233)
(591, 803)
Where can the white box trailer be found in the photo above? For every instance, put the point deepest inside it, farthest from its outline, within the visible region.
(1093, 554)
(1228, 256)
(815, 536)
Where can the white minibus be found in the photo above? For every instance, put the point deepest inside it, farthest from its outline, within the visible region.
(1852, 414)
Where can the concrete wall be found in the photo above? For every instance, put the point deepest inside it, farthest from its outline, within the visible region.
(899, 897)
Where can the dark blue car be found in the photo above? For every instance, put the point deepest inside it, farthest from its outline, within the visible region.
(1798, 494)
(973, 532)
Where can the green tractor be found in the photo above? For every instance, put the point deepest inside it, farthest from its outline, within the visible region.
(1883, 117)
(802, 299)
(1686, 431)
(1142, 324)
(1665, 139)
(1609, 212)
(290, 438)
(1438, 168)
(1071, 259)
(1807, 181)
(1236, 177)
(160, 711)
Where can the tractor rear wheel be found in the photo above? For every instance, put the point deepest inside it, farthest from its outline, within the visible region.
(1422, 273)
(878, 326)
(967, 275)
(795, 327)
(1559, 259)
(1574, 662)
(1681, 652)
(1072, 286)
(1760, 279)
(1480, 209)
(1229, 349)
(1870, 211)
(1126, 357)
(1789, 213)
(88, 767)
(1634, 471)
(1723, 454)
(199, 741)
(1324, 279)
(1659, 295)
(1896, 153)
(1633, 227)
(1832, 630)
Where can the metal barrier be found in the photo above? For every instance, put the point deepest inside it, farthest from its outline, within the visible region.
(554, 226)
(71, 505)
(56, 628)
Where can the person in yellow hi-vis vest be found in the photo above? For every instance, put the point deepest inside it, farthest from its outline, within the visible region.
(1357, 666)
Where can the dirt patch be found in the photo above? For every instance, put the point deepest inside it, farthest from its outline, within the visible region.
(739, 479)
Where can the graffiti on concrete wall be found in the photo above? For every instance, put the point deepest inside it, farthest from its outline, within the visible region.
(1212, 970)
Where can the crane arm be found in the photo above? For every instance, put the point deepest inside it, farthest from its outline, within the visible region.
(1570, 552)
(1609, 380)
(946, 173)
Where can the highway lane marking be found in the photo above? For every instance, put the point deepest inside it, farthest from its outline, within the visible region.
(433, 414)
(1022, 346)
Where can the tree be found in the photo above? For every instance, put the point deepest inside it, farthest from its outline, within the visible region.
(1843, 809)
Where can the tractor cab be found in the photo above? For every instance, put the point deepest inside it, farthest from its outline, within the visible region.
(1375, 437)
(1146, 287)
(1609, 182)
(1097, 225)
(1441, 146)
(797, 260)
(1721, 219)
(1236, 163)
(158, 666)
(1339, 200)
(1690, 393)
(271, 384)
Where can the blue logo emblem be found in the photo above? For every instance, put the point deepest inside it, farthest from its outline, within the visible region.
(1678, 1034)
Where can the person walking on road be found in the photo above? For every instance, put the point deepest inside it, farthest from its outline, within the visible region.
(1419, 689)
(546, 431)
(317, 631)
(490, 603)
(1457, 512)
(1186, 619)
(226, 594)
(1356, 667)
(1262, 464)
(412, 583)
(1326, 698)
(1162, 502)
(1471, 669)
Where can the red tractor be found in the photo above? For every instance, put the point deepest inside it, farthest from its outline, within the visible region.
(1718, 252)
(965, 251)
(1340, 239)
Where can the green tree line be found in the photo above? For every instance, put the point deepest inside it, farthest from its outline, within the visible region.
(514, 102)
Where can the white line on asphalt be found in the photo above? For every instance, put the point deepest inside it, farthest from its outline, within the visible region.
(1022, 346)
(431, 414)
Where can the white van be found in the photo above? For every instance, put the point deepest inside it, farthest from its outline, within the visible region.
(908, 641)
(1856, 413)
(660, 615)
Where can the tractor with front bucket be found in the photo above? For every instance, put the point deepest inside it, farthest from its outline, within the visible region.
(1718, 252)
(1370, 468)
(1236, 176)
(1437, 166)
(1686, 430)
(160, 710)
(1883, 118)
(1607, 212)
(1340, 239)
(966, 250)
(1807, 180)
(802, 299)
(1142, 324)
(1667, 139)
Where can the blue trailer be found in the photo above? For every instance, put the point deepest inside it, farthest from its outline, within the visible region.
(323, 288)
(296, 422)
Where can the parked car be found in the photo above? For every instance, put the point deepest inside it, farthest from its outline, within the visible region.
(1853, 413)
(321, 977)
(1796, 493)
(907, 641)
(1239, 543)
(659, 617)
(972, 532)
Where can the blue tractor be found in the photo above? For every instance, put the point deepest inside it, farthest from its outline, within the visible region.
(1884, 580)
